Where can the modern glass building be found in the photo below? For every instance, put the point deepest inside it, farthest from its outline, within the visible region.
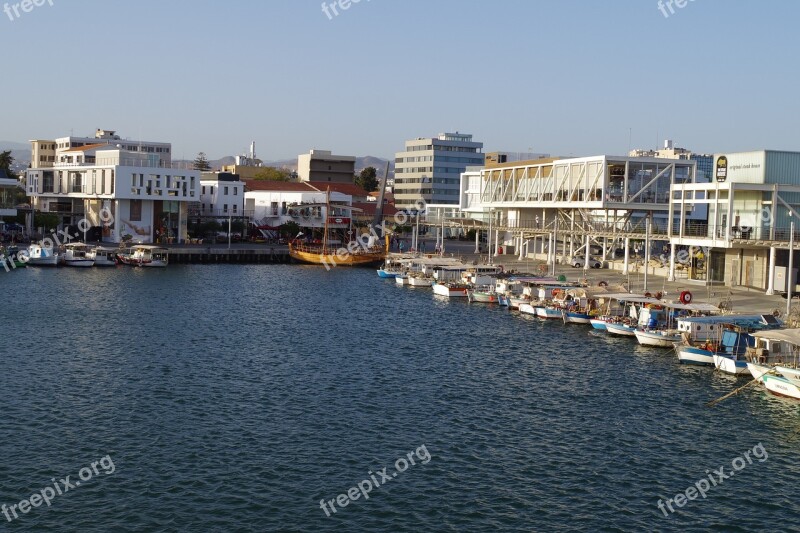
(429, 169)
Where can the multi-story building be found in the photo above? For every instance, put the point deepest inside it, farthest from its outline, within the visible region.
(8, 186)
(322, 165)
(705, 162)
(429, 170)
(221, 195)
(274, 203)
(752, 202)
(131, 184)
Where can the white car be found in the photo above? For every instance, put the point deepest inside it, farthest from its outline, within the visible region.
(579, 261)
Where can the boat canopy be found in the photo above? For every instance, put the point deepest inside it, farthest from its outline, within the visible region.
(699, 307)
(633, 298)
(792, 336)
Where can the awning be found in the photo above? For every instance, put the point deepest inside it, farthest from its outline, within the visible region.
(791, 336)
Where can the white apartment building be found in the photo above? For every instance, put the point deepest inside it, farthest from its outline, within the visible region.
(221, 195)
(133, 181)
(274, 203)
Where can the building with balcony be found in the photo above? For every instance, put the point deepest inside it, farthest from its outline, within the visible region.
(323, 166)
(134, 184)
(221, 195)
(8, 189)
(429, 170)
(274, 203)
(751, 203)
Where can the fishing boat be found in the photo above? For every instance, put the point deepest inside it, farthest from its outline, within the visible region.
(39, 255)
(622, 329)
(103, 256)
(484, 294)
(598, 323)
(401, 279)
(451, 289)
(664, 338)
(75, 255)
(9, 258)
(354, 253)
(386, 274)
(529, 308)
(549, 312)
(721, 341)
(418, 280)
(146, 255)
(777, 369)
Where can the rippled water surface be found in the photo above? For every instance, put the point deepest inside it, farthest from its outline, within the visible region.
(235, 398)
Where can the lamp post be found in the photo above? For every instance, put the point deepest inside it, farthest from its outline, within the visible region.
(790, 281)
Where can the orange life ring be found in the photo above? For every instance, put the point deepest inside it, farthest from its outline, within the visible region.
(557, 292)
(686, 297)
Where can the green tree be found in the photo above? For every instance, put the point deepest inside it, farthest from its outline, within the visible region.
(201, 162)
(6, 160)
(367, 179)
(273, 174)
(45, 220)
(289, 229)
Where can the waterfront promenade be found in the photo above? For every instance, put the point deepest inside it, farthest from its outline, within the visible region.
(739, 299)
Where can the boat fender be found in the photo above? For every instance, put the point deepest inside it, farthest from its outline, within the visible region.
(686, 297)
(603, 284)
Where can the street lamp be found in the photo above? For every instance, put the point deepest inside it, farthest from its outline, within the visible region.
(790, 280)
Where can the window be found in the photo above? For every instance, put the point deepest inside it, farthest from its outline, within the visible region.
(226, 190)
(234, 207)
(204, 189)
(225, 208)
(211, 191)
(236, 191)
(136, 210)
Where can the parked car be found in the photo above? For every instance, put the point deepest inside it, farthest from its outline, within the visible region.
(578, 261)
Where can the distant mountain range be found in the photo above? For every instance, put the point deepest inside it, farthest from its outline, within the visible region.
(21, 152)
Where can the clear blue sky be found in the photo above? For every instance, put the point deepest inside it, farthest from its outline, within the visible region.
(558, 76)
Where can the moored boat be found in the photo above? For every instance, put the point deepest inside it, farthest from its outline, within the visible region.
(103, 256)
(451, 290)
(38, 255)
(75, 255)
(482, 295)
(661, 338)
(777, 368)
(146, 255)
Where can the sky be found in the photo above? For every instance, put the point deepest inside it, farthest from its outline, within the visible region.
(565, 77)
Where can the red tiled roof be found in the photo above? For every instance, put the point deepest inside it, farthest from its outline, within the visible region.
(349, 189)
(277, 186)
(369, 208)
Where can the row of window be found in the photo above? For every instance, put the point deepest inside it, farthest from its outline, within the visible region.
(426, 179)
(234, 208)
(225, 190)
(129, 147)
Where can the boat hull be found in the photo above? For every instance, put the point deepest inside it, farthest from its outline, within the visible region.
(690, 355)
(80, 263)
(621, 329)
(657, 339)
(730, 365)
(775, 384)
(449, 292)
(330, 260)
(386, 274)
(528, 309)
(576, 318)
(598, 324)
(401, 280)
(548, 313)
(482, 297)
(419, 282)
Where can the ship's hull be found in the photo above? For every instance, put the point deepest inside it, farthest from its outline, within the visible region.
(331, 260)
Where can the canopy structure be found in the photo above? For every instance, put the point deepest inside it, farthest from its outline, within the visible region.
(792, 336)
(699, 307)
(633, 298)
